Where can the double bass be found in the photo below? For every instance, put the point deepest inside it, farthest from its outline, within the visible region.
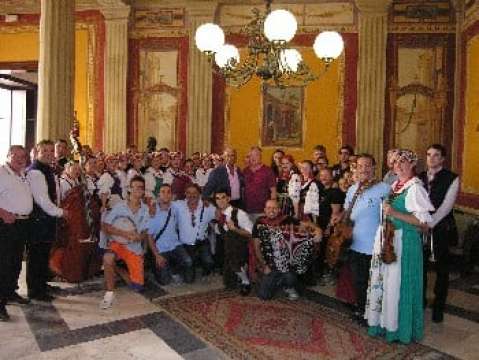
(75, 255)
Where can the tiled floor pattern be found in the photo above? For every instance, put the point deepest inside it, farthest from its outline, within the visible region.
(73, 327)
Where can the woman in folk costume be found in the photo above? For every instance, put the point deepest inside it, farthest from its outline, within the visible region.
(137, 163)
(288, 179)
(203, 172)
(153, 178)
(109, 184)
(394, 300)
(305, 193)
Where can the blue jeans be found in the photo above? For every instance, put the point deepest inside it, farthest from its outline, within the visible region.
(178, 262)
(274, 281)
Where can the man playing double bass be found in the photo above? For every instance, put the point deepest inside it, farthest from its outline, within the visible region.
(43, 183)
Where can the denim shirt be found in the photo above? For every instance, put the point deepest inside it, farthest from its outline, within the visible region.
(366, 215)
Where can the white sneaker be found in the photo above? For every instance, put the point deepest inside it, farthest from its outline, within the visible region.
(292, 294)
(107, 301)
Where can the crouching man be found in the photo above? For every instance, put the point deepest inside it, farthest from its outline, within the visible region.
(123, 235)
(171, 258)
(234, 226)
(284, 248)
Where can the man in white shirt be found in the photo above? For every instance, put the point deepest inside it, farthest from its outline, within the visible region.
(45, 190)
(194, 216)
(443, 187)
(235, 228)
(16, 204)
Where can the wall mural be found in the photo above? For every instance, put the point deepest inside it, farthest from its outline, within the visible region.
(282, 123)
(158, 97)
(420, 95)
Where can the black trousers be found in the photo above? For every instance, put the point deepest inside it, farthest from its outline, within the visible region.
(443, 236)
(38, 272)
(360, 264)
(269, 284)
(12, 244)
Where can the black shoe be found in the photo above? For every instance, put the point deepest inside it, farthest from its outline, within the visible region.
(245, 289)
(54, 289)
(15, 298)
(42, 297)
(3, 314)
(437, 315)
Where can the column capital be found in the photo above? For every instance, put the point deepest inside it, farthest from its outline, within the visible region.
(373, 7)
(114, 9)
(201, 12)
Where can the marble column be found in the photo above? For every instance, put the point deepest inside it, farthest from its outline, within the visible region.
(199, 130)
(56, 69)
(460, 13)
(116, 67)
(373, 29)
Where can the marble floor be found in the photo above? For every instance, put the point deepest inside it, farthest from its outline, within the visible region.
(73, 326)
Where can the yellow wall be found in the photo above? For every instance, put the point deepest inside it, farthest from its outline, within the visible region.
(470, 164)
(321, 113)
(23, 46)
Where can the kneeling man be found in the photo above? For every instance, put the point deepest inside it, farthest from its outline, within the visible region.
(234, 226)
(124, 231)
(284, 248)
(170, 256)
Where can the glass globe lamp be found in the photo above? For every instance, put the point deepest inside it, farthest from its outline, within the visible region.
(209, 37)
(328, 45)
(290, 60)
(280, 26)
(227, 56)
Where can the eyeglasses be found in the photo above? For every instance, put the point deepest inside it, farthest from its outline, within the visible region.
(193, 220)
(220, 197)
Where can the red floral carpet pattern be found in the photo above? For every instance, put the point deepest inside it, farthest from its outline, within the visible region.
(248, 328)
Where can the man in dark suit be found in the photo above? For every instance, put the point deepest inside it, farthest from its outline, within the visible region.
(227, 176)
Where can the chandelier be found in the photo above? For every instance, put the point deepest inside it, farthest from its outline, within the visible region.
(270, 56)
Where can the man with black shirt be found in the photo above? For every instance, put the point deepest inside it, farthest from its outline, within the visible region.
(330, 212)
(61, 153)
(443, 187)
(340, 168)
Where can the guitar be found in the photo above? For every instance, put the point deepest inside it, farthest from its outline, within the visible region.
(342, 235)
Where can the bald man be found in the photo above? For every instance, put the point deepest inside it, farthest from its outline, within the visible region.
(226, 177)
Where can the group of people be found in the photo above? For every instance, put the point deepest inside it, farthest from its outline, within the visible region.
(268, 225)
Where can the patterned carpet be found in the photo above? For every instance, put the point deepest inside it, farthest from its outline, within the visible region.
(248, 328)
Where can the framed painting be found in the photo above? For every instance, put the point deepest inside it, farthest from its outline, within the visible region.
(282, 123)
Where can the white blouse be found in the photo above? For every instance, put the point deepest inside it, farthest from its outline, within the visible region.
(294, 188)
(150, 180)
(311, 200)
(417, 200)
(202, 176)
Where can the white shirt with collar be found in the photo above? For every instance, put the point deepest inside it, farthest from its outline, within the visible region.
(15, 194)
(39, 187)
